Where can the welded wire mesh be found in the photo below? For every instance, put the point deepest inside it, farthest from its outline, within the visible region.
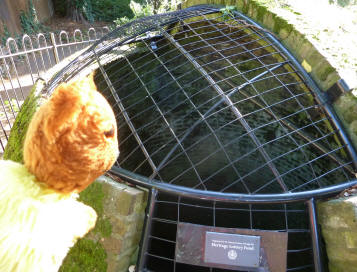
(169, 211)
(211, 102)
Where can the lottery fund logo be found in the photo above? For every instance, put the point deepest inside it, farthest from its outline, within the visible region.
(232, 254)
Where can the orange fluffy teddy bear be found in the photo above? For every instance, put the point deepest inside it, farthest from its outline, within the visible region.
(71, 140)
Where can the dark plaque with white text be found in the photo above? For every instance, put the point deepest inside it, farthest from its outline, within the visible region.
(228, 248)
(232, 249)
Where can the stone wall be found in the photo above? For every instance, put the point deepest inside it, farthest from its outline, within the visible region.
(338, 218)
(114, 242)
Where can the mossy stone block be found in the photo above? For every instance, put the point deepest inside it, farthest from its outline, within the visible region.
(14, 148)
(295, 42)
(124, 204)
(86, 256)
(282, 26)
(351, 239)
(338, 220)
(346, 108)
(343, 266)
(125, 260)
(341, 254)
(338, 213)
(268, 20)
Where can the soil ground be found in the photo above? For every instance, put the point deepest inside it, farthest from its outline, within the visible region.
(58, 23)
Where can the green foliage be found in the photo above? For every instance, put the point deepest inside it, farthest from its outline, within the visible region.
(6, 34)
(122, 21)
(104, 227)
(343, 3)
(88, 10)
(29, 21)
(59, 7)
(144, 8)
(119, 11)
(14, 147)
(97, 10)
(109, 10)
(139, 12)
(227, 12)
(93, 196)
(85, 256)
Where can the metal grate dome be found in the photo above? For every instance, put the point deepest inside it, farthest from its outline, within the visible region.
(211, 109)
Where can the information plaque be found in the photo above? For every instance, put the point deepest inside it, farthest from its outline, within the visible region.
(232, 249)
(228, 248)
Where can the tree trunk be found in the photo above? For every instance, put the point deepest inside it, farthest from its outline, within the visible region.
(73, 12)
(156, 6)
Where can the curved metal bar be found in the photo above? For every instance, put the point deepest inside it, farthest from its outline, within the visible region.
(43, 38)
(24, 38)
(228, 197)
(316, 90)
(92, 30)
(8, 45)
(105, 28)
(65, 34)
(226, 99)
(6, 68)
(75, 36)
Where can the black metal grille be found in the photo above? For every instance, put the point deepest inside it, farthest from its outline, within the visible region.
(212, 106)
(170, 210)
(216, 107)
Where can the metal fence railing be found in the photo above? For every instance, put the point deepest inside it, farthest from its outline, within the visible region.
(23, 60)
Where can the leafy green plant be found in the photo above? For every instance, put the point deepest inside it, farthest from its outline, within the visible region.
(88, 10)
(29, 21)
(147, 8)
(227, 12)
(122, 21)
(6, 33)
(109, 10)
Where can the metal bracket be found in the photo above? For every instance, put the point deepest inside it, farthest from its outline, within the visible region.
(336, 90)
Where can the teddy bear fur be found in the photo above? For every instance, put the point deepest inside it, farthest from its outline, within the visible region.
(38, 225)
(72, 139)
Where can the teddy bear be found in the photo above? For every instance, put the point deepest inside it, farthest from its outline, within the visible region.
(71, 140)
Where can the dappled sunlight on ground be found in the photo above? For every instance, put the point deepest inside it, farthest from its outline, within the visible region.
(330, 27)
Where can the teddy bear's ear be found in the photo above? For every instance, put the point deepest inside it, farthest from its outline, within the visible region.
(66, 103)
(62, 109)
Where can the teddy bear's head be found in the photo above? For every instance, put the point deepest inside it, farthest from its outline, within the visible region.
(72, 138)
